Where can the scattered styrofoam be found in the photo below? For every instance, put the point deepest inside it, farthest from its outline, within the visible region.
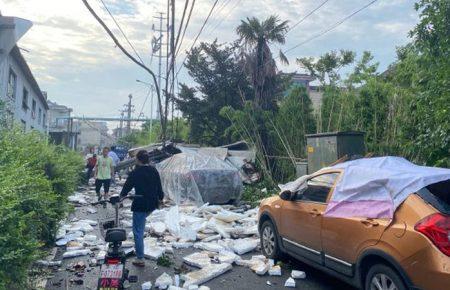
(158, 228)
(227, 257)
(146, 285)
(289, 283)
(198, 259)
(163, 281)
(211, 247)
(242, 246)
(76, 253)
(154, 252)
(205, 274)
(260, 268)
(298, 274)
(275, 271)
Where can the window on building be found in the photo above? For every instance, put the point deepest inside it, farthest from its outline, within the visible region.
(44, 120)
(33, 110)
(12, 81)
(25, 99)
(39, 116)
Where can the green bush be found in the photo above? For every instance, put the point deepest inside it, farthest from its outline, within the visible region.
(36, 178)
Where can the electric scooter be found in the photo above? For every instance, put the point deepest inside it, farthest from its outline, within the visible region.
(113, 271)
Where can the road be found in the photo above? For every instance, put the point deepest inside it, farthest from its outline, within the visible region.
(238, 278)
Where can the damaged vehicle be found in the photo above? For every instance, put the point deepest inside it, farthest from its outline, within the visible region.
(376, 223)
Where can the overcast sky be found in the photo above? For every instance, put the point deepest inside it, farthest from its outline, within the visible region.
(78, 65)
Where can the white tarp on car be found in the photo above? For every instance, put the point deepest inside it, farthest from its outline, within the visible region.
(375, 187)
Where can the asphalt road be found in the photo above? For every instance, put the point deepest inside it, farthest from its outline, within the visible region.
(238, 278)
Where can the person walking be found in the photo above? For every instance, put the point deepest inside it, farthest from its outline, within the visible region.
(104, 171)
(91, 162)
(146, 182)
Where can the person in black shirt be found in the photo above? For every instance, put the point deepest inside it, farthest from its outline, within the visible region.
(149, 194)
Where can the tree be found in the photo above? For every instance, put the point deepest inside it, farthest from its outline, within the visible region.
(260, 65)
(326, 69)
(220, 82)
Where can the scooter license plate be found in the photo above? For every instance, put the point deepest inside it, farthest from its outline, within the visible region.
(114, 271)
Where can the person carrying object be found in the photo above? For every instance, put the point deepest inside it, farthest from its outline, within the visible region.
(146, 182)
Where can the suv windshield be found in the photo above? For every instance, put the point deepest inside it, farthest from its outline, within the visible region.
(438, 195)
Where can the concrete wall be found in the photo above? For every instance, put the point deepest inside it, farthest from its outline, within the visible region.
(22, 116)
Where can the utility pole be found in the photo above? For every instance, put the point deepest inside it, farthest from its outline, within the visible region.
(172, 65)
(128, 108)
(157, 43)
(121, 124)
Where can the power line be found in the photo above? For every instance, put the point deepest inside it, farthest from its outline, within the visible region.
(226, 17)
(200, 32)
(307, 15)
(113, 37)
(331, 27)
(123, 33)
(185, 27)
(186, 3)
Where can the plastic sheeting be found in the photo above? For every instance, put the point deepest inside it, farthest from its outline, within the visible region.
(375, 187)
(191, 177)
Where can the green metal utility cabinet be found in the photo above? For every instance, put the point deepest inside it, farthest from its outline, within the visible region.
(325, 148)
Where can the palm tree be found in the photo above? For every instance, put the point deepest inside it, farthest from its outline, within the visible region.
(256, 37)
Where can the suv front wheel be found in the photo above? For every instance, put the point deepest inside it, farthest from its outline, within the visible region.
(269, 241)
(382, 277)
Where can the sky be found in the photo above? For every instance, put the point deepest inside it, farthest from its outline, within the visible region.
(75, 61)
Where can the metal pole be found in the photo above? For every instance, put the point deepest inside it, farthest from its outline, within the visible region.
(151, 109)
(160, 57)
(129, 115)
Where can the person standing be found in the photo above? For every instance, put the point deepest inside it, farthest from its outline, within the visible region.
(115, 160)
(91, 162)
(104, 171)
(146, 182)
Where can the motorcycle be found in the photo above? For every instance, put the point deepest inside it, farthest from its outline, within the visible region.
(113, 271)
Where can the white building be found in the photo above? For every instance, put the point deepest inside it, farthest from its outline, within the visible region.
(93, 136)
(62, 128)
(23, 101)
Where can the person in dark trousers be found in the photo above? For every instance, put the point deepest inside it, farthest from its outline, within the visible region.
(91, 162)
(104, 172)
(149, 194)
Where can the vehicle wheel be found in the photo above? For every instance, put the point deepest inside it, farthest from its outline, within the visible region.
(382, 277)
(269, 241)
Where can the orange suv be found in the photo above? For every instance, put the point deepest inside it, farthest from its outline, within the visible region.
(412, 251)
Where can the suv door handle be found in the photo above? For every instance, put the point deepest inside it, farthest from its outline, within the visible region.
(314, 212)
(369, 222)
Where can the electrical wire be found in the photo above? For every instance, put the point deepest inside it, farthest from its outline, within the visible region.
(185, 28)
(121, 31)
(225, 18)
(199, 33)
(307, 15)
(332, 27)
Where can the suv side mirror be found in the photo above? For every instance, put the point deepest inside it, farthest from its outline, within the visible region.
(286, 195)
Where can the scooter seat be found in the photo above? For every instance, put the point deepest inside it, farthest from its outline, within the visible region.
(115, 235)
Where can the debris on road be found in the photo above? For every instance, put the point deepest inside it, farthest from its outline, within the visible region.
(146, 285)
(298, 274)
(163, 281)
(205, 274)
(290, 283)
